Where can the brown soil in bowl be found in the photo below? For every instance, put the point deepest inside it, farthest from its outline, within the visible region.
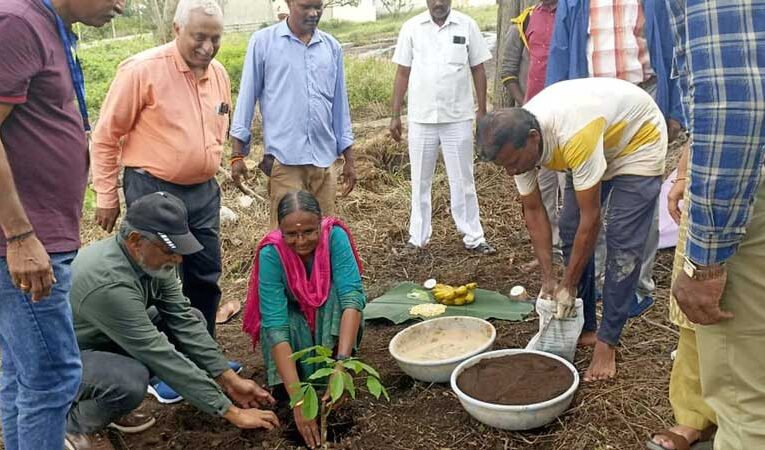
(516, 379)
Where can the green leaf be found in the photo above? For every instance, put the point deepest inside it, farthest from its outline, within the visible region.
(370, 370)
(319, 359)
(321, 373)
(299, 354)
(385, 393)
(374, 386)
(310, 405)
(349, 386)
(353, 365)
(336, 385)
(294, 399)
(323, 351)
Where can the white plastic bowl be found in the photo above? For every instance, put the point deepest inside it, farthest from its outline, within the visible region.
(514, 417)
(439, 370)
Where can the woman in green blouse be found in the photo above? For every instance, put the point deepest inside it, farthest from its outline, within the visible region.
(305, 290)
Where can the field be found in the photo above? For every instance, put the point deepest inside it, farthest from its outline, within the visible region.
(613, 415)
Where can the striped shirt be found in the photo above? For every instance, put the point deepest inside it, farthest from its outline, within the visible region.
(721, 44)
(617, 45)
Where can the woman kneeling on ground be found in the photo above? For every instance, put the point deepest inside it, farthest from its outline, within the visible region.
(305, 290)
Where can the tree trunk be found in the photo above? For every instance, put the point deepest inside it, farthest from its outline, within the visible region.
(508, 9)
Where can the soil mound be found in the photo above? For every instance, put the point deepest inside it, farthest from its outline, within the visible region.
(516, 379)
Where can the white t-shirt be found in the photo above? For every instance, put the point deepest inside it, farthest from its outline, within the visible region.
(440, 82)
(598, 128)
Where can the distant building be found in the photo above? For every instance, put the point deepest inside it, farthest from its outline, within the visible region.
(246, 15)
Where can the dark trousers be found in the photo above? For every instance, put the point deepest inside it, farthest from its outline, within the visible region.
(199, 272)
(627, 204)
(113, 384)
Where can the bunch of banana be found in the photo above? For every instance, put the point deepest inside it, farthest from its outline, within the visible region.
(450, 295)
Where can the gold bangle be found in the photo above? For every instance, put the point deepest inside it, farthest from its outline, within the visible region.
(678, 179)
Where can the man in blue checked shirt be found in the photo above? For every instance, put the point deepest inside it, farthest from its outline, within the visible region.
(296, 73)
(722, 284)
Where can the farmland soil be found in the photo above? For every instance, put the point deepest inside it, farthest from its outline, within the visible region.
(516, 379)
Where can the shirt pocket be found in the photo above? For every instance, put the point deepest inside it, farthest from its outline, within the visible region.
(326, 76)
(457, 54)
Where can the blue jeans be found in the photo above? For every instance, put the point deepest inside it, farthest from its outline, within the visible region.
(628, 205)
(41, 361)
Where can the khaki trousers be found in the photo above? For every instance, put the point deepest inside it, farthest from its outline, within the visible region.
(319, 181)
(685, 386)
(732, 353)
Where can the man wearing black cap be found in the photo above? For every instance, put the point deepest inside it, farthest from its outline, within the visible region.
(132, 320)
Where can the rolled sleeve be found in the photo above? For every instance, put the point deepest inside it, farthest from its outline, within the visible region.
(250, 88)
(21, 59)
(123, 104)
(478, 51)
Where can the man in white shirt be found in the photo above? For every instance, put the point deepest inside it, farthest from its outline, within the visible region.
(437, 52)
(610, 138)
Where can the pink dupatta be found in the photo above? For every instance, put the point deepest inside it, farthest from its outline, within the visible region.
(311, 293)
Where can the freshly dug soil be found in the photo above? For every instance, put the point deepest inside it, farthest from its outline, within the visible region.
(516, 379)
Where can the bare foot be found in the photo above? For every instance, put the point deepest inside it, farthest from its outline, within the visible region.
(587, 339)
(690, 434)
(603, 365)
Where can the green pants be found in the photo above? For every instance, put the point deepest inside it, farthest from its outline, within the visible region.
(732, 353)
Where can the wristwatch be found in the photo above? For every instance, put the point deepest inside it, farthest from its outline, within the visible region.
(704, 272)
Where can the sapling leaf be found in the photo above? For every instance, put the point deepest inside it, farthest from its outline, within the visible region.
(323, 351)
(385, 392)
(353, 365)
(310, 405)
(295, 398)
(321, 373)
(319, 359)
(299, 354)
(370, 370)
(336, 385)
(374, 386)
(349, 386)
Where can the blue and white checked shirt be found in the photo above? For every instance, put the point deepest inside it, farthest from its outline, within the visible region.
(302, 95)
(722, 46)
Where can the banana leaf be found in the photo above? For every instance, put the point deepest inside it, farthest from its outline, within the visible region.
(394, 305)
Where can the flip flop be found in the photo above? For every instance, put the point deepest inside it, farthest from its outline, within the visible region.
(227, 312)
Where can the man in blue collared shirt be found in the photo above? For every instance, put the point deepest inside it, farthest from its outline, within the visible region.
(296, 73)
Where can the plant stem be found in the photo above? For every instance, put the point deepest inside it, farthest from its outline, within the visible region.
(324, 415)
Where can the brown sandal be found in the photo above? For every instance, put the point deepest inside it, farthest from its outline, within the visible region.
(227, 312)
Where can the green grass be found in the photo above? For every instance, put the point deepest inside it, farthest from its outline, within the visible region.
(369, 81)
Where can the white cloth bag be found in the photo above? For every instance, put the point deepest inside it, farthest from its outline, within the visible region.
(557, 336)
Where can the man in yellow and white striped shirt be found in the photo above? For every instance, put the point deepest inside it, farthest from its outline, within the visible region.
(610, 138)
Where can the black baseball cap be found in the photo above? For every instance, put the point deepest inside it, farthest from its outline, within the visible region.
(165, 216)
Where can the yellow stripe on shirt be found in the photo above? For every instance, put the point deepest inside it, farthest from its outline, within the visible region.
(614, 135)
(647, 134)
(581, 146)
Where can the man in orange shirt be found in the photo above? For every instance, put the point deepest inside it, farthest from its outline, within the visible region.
(165, 118)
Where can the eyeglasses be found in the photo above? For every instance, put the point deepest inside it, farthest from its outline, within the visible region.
(295, 235)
